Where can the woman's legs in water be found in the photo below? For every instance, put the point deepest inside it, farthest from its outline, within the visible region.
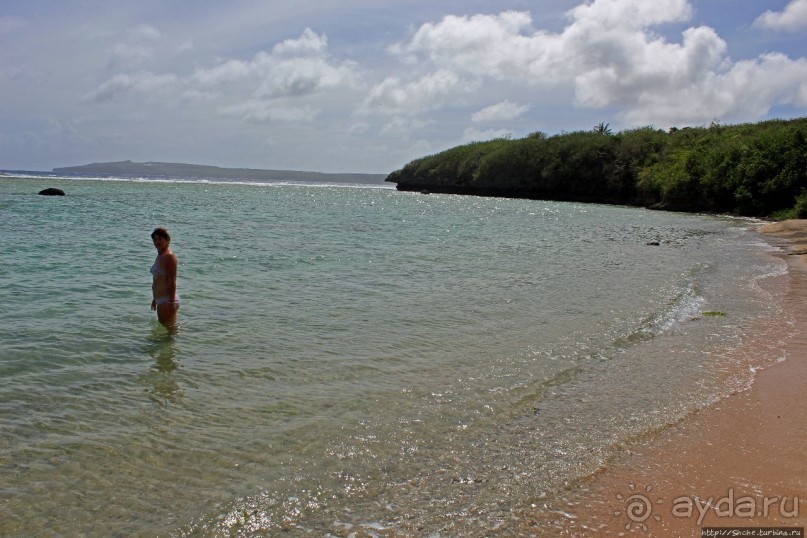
(167, 314)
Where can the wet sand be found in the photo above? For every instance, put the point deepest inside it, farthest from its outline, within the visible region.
(741, 462)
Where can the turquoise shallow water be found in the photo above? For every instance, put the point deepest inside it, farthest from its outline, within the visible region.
(349, 358)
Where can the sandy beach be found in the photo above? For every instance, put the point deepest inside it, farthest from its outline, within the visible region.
(741, 462)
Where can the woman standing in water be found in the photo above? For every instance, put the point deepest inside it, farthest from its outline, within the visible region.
(164, 287)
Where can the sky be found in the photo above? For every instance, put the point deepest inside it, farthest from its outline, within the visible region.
(369, 85)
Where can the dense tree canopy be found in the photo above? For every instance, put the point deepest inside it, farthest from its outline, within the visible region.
(751, 169)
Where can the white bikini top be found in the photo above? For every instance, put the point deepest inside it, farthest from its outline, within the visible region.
(157, 270)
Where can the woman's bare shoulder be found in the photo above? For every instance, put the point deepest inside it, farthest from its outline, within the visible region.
(169, 259)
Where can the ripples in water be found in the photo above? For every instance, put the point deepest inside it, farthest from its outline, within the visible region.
(347, 359)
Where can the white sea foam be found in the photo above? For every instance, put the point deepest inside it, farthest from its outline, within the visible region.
(210, 181)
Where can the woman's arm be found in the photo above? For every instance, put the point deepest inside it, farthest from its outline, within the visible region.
(154, 294)
(170, 266)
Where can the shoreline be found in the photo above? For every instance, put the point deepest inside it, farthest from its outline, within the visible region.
(739, 462)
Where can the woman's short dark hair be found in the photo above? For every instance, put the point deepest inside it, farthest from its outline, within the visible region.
(161, 232)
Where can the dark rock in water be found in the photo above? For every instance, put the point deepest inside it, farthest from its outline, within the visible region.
(654, 243)
(52, 192)
(424, 192)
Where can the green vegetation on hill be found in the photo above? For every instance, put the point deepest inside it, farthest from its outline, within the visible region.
(751, 169)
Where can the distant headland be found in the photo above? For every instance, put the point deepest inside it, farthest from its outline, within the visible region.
(156, 170)
(757, 170)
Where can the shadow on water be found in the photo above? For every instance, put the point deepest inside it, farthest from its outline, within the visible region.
(161, 345)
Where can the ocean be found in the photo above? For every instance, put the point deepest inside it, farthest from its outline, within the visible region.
(349, 359)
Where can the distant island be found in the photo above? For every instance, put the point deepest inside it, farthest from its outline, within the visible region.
(157, 170)
(757, 170)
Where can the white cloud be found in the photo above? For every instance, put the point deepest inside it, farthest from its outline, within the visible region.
(393, 96)
(247, 89)
(403, 126)
(792, 19)
(303, 76)
(636, 68)
(749, 86)
(505, 46)
(228, 70)
(358, 128)
(309, 43)
(419, 147)
(196, 96)
(631, 14)
(127, 53)
(472, 134)
(144, 33)
(611, 55)
(295, 67)
(503, 111)
(482, 45)
(138, 46)
(268, 111)
(144, 82)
